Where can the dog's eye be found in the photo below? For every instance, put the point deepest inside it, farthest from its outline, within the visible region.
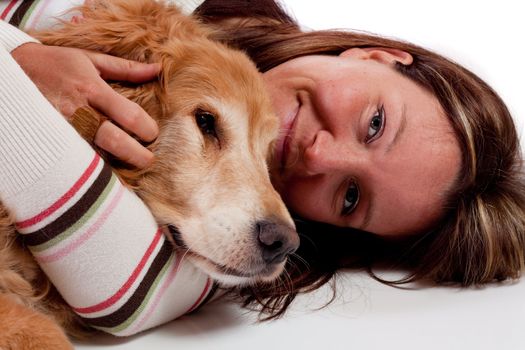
(206, 122)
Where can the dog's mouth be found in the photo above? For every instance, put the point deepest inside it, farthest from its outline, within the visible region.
(218, 268)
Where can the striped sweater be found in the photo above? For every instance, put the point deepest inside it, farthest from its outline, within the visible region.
(93, 237)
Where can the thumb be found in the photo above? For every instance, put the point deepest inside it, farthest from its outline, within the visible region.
(116, 68)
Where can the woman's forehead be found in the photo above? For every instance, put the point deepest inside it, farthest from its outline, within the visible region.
(415, 176)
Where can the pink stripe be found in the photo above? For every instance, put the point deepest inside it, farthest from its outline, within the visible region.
(113, 299)
(62, 200)
(162, 290)
(201, 297)
(38, 14)
(87, 235)
(7, 9)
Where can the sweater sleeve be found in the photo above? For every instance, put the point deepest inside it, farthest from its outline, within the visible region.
(95, 239)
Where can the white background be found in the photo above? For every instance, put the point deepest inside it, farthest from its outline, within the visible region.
(486, 36)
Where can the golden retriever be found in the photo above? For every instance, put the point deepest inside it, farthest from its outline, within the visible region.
(209, 186)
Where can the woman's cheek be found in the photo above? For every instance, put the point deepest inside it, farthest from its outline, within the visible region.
(306, 199)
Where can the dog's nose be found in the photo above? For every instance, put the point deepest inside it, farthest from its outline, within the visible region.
(276, 241)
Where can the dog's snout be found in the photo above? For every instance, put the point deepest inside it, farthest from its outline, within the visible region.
(276, 241)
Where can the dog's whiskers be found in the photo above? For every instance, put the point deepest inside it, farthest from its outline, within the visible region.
(186, 251)
(299, 259)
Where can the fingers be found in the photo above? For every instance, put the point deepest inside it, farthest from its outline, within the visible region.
(114, 140)
(116, 68)
(125, 112)
(116, 107)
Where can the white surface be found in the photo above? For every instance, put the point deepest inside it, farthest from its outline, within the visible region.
(486, 37)
(366, 315)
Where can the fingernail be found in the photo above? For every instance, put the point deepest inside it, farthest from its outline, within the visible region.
(145, 161)
(157, 66)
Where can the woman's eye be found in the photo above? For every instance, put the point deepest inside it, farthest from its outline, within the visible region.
(206, 122)
(376, 126)
(351, 199)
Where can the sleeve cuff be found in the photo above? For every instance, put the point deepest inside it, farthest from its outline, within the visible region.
(11, 37)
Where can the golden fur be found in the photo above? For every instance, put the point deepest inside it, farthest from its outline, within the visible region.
(213, 188)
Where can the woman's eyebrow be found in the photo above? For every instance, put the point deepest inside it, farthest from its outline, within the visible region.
(400, 129)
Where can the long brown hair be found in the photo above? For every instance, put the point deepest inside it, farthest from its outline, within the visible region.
(481, 237)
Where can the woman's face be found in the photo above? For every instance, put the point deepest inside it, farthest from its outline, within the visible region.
(360, 145)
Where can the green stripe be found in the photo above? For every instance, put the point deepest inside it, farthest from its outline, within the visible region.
(85, 218)
(28, 14)
(140, 309)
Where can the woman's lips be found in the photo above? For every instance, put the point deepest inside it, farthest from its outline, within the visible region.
(284, 144)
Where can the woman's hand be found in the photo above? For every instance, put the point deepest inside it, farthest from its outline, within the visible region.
(71, 78)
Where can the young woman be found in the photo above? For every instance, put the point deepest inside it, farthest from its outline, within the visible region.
(379, 136)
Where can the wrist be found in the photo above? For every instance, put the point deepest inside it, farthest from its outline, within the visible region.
(25, 52)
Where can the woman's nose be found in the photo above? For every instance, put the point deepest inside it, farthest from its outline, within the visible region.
(323, 155)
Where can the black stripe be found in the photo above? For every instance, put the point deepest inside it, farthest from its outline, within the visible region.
(125, 311)
(73, 214)
(18, 16)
